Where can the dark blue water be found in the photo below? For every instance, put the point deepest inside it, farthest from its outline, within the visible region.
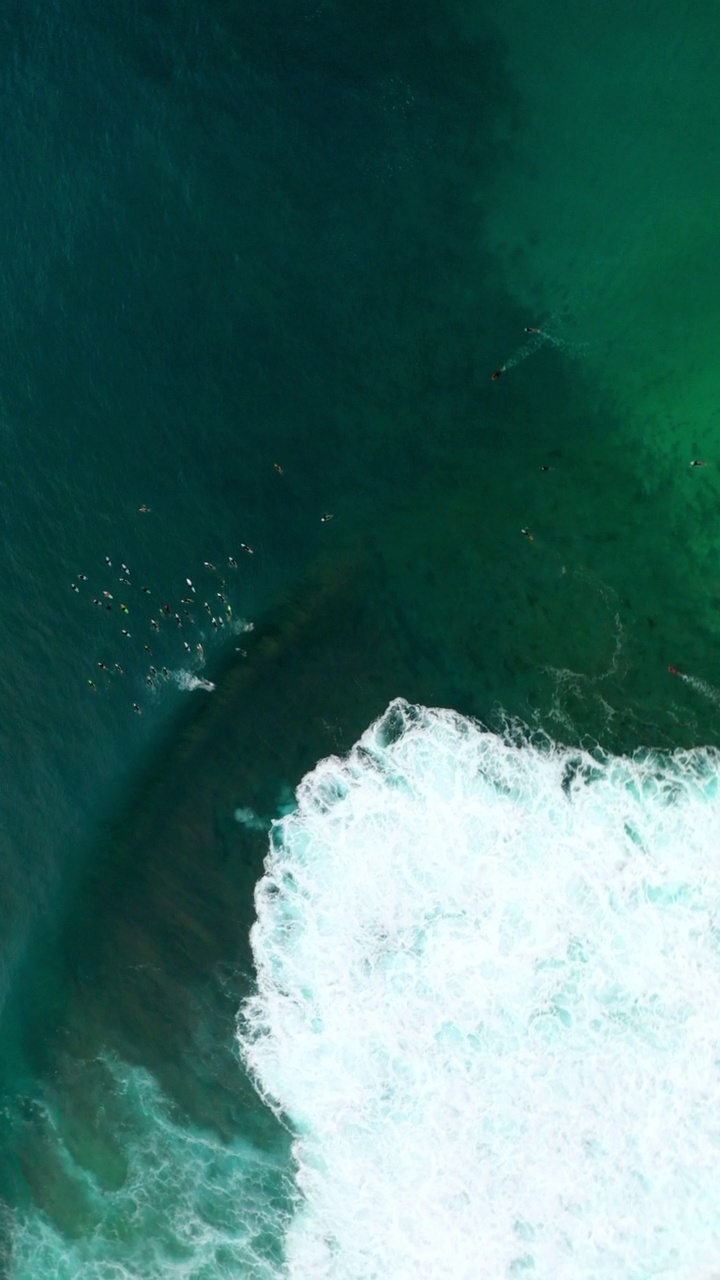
(190, 289)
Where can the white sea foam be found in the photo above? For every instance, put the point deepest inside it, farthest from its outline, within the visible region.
(488, 983)
(175, 1203)
(186, 680)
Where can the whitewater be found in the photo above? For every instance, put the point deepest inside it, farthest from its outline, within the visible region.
(488, 970)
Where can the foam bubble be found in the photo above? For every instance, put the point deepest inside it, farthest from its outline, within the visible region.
(173, 1202)
(186, 680)
(488, 980)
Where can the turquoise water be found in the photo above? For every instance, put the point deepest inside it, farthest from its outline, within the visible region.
(306, 235)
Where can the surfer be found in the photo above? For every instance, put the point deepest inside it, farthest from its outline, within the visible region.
(144, 509)
(126, 633)
(74, 586)
(154, 624)
(326, 516)
(675, 671)
(136, 709)
(209, 565)
(528, 330)
(146, 591)
(497, 374)
(527, 534)
(696, 463)
(120, 670)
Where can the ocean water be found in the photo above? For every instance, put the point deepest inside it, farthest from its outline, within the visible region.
(441, 1005)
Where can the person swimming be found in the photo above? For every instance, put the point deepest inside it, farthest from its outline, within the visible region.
(497, 374)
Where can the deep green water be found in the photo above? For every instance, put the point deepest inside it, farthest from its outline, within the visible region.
(307, 234)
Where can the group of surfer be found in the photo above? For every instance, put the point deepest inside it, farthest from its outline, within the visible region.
(105, 600)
